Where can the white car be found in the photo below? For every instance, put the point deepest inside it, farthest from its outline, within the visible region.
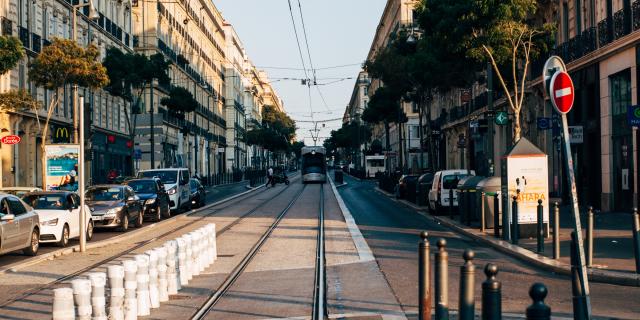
(19, 191)
(176, 182)
(59, 213)
(444, 182)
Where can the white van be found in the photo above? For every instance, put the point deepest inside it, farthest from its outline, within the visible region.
(176, 182)
(443, 181)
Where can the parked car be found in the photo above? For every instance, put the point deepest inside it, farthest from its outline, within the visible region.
(198, 194)
(19, 226)
(59, 213)
(406, 183)
(19, 191)
(153, 197)
(114, 206)
(443, 181)
(176, 182)
(425, 182)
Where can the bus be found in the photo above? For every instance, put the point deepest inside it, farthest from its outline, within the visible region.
(373, 165)
(314, 168)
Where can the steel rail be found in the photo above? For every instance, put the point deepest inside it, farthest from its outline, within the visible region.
(319, 294)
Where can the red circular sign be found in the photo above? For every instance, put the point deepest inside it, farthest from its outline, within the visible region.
(11, 139)
(561, 92)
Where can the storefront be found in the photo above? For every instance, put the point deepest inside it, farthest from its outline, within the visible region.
(110, 151)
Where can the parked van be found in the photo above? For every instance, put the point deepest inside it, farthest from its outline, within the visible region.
(176, 183)
(443, 181)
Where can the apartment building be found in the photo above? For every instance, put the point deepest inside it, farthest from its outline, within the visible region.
(237, 85)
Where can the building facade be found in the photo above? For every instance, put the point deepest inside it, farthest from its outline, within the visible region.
(236, 85)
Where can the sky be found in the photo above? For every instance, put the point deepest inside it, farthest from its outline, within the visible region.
(339, 33)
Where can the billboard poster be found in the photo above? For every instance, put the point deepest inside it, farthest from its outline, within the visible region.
(62, 167)
(528, 180)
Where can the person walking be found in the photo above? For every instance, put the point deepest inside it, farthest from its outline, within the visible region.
(269, 176)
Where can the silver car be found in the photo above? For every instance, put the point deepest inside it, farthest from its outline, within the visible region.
(19, 226)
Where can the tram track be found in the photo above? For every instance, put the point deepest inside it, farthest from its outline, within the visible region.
(319, 310)
(141, 244)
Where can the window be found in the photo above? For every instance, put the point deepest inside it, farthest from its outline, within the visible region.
(565, 21)
(16, 206)
(578, 7)
(620, 92)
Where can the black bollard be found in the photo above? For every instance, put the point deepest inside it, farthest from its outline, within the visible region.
(496, 215)
(482, 222)
(540, 227)
(514, 221)
(462, 205)
(636, 238)
(442, 281)
(424, 284)
(538, 310)
(579, 299)
(451, 203)
(491, 294)
(506, 226)
(466, 300)
(589, 242)
(556, 231)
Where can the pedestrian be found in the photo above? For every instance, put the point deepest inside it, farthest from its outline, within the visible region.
(269, 176)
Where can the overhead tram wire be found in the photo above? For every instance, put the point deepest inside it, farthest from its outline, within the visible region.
(304, 66)
(306, 40)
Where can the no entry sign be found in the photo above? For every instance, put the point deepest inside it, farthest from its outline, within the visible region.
(561, 92)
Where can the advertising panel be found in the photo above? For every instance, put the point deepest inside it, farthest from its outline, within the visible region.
(528, 180)
(62, 167)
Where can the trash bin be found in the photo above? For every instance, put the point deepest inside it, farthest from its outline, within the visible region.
(338, 176)
(490, 186)
(470, 198)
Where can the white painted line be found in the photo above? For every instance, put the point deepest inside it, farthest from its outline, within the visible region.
(361, 245)
(563, 92)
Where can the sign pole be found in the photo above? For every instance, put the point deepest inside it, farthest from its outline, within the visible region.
(634, 141)
(81, 177)
(576, 216)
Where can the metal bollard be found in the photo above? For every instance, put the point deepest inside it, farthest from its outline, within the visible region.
(163, 284)
(540, 227)
(142, 291)
(63, 308)
(482, 222)
(82, 297)
(462, 205)
(538, 310)
(514, 221)
(98, 301)
(466, 298)
(115, 274)
(556, 231)
(579, 299)
(442, 281)
(636, 238)
(491, 294)
(589, 242)
(424, 285)
(130, 287)
(506, 224)
(496, 215)
(154, 294)
(451, 203)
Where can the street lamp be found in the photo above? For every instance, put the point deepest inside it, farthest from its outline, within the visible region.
(93, 15)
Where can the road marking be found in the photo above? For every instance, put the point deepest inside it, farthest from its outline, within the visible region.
(563, 92)
(364, 252)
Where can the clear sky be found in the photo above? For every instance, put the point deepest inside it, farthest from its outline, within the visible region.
(339, 33)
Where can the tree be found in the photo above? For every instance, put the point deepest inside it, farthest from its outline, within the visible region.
(61, 63)
(18, 100)
(384, 107)
(180, 101)
(11, 52)
(502, 32)
(296, 148)
(276, 133)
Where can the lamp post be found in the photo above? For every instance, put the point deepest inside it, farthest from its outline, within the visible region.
(93, 15)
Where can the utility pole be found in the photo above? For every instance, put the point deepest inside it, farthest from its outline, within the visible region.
(152, 140)
(491, 125)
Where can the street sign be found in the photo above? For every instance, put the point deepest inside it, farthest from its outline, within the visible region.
(502, 118)
(544, 123)
(10, 139)
(576, 134)
(633, 115)
(553, 65)
(562, 92)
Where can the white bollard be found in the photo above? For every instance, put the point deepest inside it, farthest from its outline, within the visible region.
(202, 250)
(130, 287)
(214, 246)
(154, 295)
(116, 292)
(63, 308)
(163, 284)
(98, 300)
(142, 292)
(182, 261)
(82, 297)
(189, 256)
(195, 250)
(173, 275)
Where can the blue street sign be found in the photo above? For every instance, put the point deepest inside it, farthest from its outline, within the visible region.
(544, 123)
(633, 115)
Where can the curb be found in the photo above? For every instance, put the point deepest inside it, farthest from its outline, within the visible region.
(530, 257)
(95, 245)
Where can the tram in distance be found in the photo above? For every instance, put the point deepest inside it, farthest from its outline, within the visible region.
(314, 167)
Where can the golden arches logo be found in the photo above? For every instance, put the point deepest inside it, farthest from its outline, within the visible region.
(62, 132)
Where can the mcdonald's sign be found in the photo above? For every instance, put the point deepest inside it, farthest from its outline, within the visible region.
(61, 135)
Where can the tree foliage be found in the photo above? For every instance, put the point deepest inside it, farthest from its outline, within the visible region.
(133, 70)
(18, 100)
(180, 101)
(276, 133)
(11, 52)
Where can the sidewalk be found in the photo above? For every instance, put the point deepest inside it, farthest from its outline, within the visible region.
(613, 248)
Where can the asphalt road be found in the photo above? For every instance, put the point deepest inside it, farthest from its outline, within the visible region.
(392, 231)
(213, 195)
